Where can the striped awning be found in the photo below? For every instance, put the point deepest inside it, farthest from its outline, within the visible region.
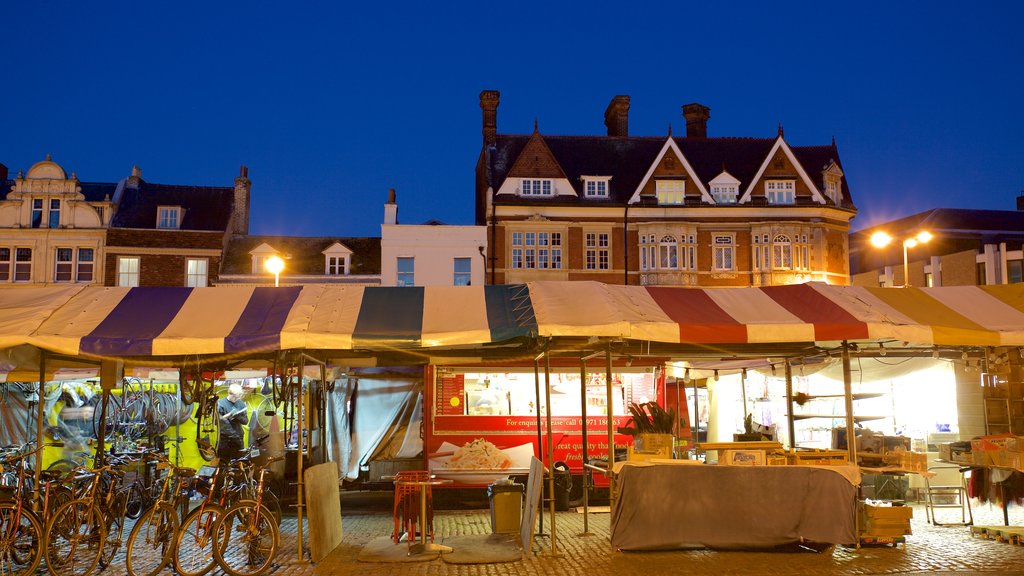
(145, 322)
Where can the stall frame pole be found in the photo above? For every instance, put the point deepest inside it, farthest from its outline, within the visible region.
(851, 439)
(586, 471)
(790, 421)
(609, 410)
(553, 552)
(540, 432)
(38, 460)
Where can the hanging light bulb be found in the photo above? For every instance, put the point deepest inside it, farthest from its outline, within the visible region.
(773, 369)
(801, 369)
(935, 353)
(716, 376)
(686, 376)
(881, 349)
(964, 356)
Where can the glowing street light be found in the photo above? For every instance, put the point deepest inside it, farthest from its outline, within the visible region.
(274, 265)
(881, 240)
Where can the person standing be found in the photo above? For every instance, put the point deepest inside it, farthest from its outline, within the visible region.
(233, 415)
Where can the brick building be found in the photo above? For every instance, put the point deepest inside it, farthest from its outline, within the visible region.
(968, 248)
(685, 210)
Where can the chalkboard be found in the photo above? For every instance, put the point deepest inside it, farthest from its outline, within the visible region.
(531, 504)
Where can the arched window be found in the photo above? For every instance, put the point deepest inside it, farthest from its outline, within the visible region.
(669, 253)
(782, 252)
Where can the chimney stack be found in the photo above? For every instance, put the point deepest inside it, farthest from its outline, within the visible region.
(391, 208)
(240, 210)
(616, 116)
(1020, 200)
(3, 172)
(136, 178)
(489, 104)
(696, 120)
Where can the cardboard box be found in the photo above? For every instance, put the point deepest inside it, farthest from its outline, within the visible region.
(1015, 444)
(884, 521)
(817, 458)
(946, 451)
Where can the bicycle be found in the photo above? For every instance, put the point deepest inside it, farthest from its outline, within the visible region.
(20, 528)
(247, 535)
(151, 542)
(77, 531)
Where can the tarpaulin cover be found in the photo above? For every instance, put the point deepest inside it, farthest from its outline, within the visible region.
(126, 322)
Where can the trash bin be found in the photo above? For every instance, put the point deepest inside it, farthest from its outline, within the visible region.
(506, 498)
(563, 485)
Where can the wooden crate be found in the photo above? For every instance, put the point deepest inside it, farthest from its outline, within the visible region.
(817, 458)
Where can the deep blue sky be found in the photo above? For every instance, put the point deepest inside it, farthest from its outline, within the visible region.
(332, 103)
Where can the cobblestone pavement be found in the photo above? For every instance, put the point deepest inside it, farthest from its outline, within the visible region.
(930, 550)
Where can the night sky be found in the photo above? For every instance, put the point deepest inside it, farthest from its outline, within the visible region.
(331, 103)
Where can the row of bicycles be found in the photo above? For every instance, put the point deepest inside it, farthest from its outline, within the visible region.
(78, 520)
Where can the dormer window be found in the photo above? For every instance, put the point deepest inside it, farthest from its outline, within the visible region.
(832, 189)
(535, 187)
(168, 217)
(595, 187)
(724, 193)
(780, 191)
(671, 191)
(337, 265)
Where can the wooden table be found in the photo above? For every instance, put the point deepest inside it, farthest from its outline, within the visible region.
(424, 546)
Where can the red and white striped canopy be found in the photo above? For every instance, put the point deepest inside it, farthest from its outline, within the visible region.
(147, 322)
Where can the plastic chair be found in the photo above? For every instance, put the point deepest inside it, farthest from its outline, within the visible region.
(406, 509)
(948, 496)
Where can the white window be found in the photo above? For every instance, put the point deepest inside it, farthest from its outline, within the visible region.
(22, 264)
(5, 264)
(724, 249)
(595, 187)
(86, 257)
(782, 252)
(168, 217)
(406, 271)
(668, 251)
(463, 272)
(535, 187)
(128, 271)
(536, 250)
(596, 255)
(780, 191)
(196, 272)
(832, 188)
(337, 265)
(670, 191)
(64, 265)
(724, 193)
(53, 217)
(37, 212)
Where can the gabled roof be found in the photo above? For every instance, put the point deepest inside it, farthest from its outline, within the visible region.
(204, 208)
(303, 255)
(628, 159)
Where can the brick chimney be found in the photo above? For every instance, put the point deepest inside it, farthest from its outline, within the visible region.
(240, 210)
(616, 116)
(391, 208)
(489, 104)
(136, 178)
(1020, 199)
(696, 120)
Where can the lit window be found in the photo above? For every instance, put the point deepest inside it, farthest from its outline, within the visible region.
(22, 264)
(596, 188)
(724, 194)
(832, 188)
(195, 272)
(168, 217)
(5, 264)
(780, 191)
(65, 263)
(128, 271)
(670, 191)
(86, 258)
(596, 255)
(782, 253)
(53, 220)
(724, 249)
(669, 252)
(929, 280)
(535, 187)
(37, 212)
(1014, 271)
(536, 250)
(406, 271)
(337, 265)
(463, 271)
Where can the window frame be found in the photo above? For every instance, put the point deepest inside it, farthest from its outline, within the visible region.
(725, 193)
(535, 249)
(190, 275)
(36, 213)
(6, 264)
(670, 191)
(87, 267)
(597, 251)
(722, 251)
(129, 278)
(335, 265)
(53, 209)
(403, 277)
(780, 192)
(22, 271)
(462, 277)
(164, 220)
(536, 187)
(600, 186)
(63, 267)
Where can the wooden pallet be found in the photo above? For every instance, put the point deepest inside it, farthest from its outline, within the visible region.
(1007, 534)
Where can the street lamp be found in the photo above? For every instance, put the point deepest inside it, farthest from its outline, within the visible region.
(881, 240)
(274, 265)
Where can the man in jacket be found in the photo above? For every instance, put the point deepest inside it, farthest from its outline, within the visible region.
(233, 415)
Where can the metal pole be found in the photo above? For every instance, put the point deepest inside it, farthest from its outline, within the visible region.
(789, 400)
(586, 471)
(39, 424)
(906, 268)
(551, 456)
(851, 440)
(540, 434)
(300, 503)
(610, 409)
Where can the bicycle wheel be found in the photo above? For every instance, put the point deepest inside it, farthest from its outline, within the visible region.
(20, 535)
(74, 538)
(151, 542)
(115, 522)
(246, 541)
(193, 546)
(136, 500)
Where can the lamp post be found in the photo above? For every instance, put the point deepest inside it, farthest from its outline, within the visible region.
(882, 239)
(274, 265)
